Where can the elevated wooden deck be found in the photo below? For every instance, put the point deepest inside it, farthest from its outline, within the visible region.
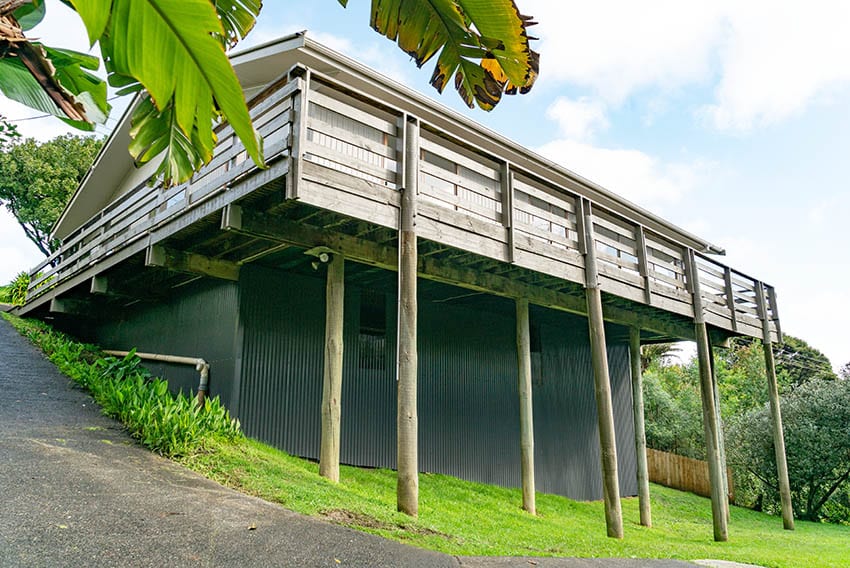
(486, 220)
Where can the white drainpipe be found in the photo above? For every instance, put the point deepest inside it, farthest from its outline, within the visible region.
(200, 365)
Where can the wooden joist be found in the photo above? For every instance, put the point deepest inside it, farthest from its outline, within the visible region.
(283, 230)
(181, 261)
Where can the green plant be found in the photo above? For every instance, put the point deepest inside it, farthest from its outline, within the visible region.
(171, 425)
(816, 419)
(18, 289)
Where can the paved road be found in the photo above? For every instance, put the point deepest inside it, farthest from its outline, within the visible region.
(76, 491)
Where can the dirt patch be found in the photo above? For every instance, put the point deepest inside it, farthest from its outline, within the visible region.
(353, 519)
(348, 518)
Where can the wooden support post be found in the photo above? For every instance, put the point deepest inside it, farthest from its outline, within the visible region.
(526, 414)
(298, 134)
(407, 488)
(332, 380)
(775, 415)
(730, 297)
(601, 380)
(640, 429)
(721, 440)
(709, 413)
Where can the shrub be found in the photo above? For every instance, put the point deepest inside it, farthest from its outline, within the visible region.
(172, 425)
(816, 420)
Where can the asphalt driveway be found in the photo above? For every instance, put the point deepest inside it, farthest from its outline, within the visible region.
(77, 491)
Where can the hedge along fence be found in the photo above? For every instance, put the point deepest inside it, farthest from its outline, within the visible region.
(685, 474)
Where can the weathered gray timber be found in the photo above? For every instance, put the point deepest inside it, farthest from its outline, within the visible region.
(408, 422)
(332, 376)
(721, 436)
(526, 411)
(601, 378)
(776, 420)
(640, 428)
(719, 501)
(340, 148)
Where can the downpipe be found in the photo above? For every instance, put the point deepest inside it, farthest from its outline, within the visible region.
(200, 365)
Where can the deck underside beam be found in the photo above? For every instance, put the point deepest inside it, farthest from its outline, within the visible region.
(282, 230)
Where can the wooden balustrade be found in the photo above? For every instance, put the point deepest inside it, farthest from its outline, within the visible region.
(350, 160)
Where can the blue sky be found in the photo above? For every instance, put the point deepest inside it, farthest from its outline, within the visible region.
(731, 119)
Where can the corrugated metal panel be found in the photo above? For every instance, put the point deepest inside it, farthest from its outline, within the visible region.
(200, 320)
(368, 429)
(468, 404)
(566, 434)
(281, 379)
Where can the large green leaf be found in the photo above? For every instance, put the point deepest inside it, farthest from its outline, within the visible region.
(95, 16)
(156, 132)
(237, 18)
(483, 44)
(30, 14)
(175, 50)
(67, 72)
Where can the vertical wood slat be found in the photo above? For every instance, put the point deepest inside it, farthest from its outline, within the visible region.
(507, 181)
(643, 263)
(332, 374)
(640, 428)
(774, 310)
(730, 297)
(526, 412)
(775, 414)
(709, 414)
(298, 133)
(407, 488)
(601, 379)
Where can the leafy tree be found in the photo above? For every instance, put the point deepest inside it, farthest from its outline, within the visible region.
(816, 417)
(844, 373)
(658, 354)
(187, 82)
(799, 362)
(8, 132)
(36, 181)
(673, 409)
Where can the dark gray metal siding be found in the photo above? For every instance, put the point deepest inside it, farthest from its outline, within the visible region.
(200, 320)
(566, 434)
(281, 380)
(468, 409)
(468, 402)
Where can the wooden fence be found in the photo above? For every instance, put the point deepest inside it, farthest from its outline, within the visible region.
(686, 474)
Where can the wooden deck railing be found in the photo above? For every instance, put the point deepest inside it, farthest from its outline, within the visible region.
(349, 151)
(480, 201)
(135, 214)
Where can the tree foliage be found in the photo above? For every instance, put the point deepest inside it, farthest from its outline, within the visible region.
(816, 418)
(177, 60)
(38, 179)
(8, 132)
(816, 412)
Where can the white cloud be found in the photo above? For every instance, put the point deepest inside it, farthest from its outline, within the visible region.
(777, 58)
(617, 48)
(578, 119)
(765, 60)
(632, 174)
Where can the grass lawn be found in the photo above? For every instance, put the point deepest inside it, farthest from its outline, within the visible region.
(465, 518)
